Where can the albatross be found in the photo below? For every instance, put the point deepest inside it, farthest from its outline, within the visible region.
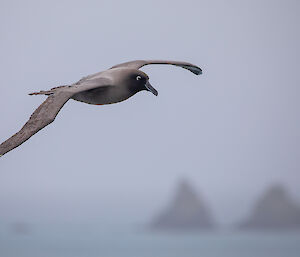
(106, 87)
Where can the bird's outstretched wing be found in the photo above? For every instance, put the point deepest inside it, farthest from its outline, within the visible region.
(47, 111)
(42, 116)
(140, 63)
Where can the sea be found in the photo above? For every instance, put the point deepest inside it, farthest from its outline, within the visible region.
(89, 240)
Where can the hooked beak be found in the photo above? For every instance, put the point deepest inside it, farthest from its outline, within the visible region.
(151, 89)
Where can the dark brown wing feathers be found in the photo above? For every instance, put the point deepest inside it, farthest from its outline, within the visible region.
(140, 63)
(42, 116)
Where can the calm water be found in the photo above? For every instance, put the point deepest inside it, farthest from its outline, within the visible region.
(92, 240)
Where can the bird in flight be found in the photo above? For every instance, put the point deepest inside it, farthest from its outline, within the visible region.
(110, 86)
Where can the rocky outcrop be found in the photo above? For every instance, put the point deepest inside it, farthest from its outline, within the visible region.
(187, 211)
(274, 210)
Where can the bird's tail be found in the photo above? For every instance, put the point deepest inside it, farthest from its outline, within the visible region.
(48, 92)
(42, 93)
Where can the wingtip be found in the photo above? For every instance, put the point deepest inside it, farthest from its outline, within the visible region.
(196, 70)
(192, 68)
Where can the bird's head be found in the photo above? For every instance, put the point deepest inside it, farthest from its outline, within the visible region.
(139, 81)
(134, 80)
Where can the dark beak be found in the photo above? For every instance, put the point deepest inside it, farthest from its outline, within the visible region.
(150, 88)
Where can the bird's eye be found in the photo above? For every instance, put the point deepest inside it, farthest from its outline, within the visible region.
(138, 77)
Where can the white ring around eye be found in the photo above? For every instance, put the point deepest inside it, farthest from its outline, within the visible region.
(138, 77)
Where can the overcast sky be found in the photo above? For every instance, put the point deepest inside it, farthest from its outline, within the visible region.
(232, 131)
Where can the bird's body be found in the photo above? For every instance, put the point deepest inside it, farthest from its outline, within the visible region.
(114, 90)
(111, 86)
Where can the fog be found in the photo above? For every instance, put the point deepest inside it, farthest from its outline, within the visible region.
(232, 131)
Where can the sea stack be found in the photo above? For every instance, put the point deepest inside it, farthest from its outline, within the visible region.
(187, 211)
(274, 210)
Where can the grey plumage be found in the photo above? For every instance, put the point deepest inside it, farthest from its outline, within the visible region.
(111, 86)
(140, 63)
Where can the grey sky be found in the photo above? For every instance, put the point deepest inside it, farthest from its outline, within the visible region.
(232, 131)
